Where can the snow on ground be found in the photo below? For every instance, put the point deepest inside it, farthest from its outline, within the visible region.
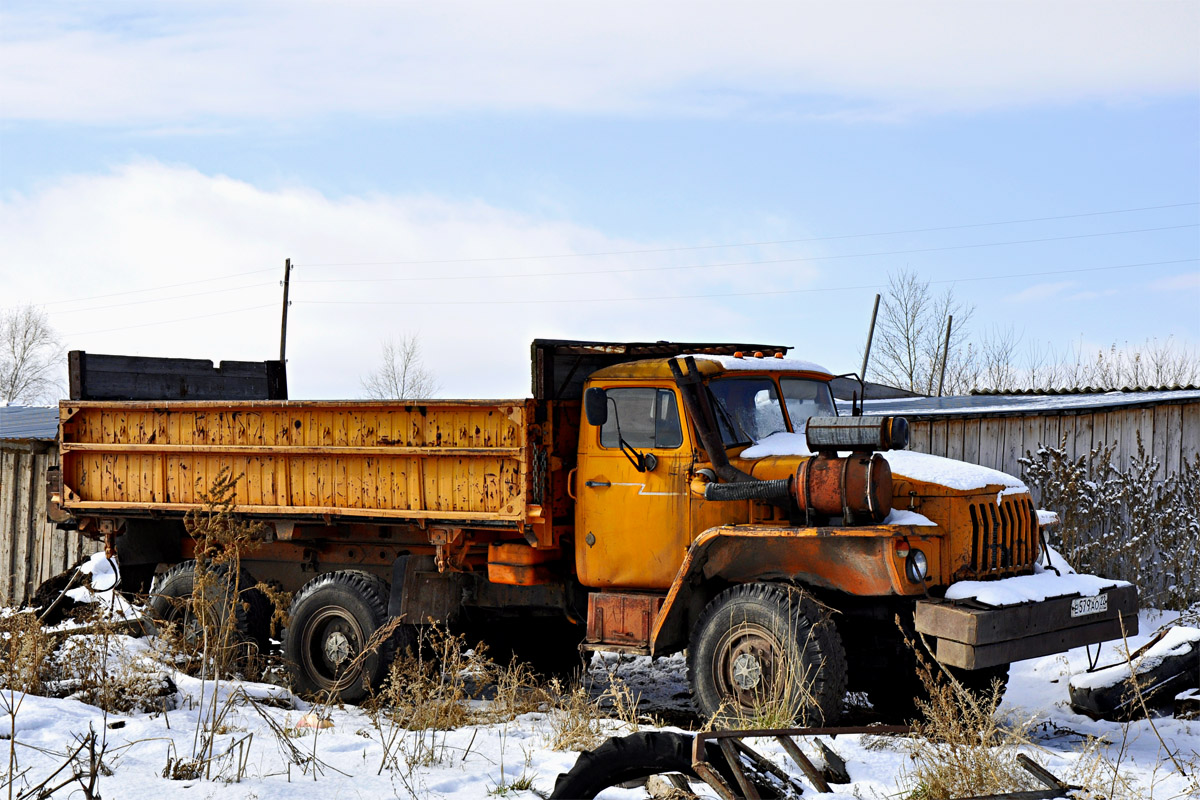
(476, 761)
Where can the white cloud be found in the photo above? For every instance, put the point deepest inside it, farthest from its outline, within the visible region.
(1174, 283)
(1040, 291)
(152, 225)
(159, 64)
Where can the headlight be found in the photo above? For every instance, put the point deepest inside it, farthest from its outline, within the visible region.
(917, 566)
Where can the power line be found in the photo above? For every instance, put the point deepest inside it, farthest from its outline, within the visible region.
(745, 244)
(188, 296)
(157, 288)
(725, 294)
(625, 270)
(628, 252)
(172, 321)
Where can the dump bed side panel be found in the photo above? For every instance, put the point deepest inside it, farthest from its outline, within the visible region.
(452, 460)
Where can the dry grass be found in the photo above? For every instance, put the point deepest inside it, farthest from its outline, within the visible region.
(578, 721)
(221, 540)
(430, 688)
(25, 650)
(962, 748)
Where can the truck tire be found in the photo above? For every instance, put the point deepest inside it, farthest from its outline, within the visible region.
(171, 602)
(628, 758)
(766, 650)
(331, 619)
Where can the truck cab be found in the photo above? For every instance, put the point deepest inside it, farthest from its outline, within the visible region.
(724, 508)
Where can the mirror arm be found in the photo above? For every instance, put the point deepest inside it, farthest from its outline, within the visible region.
(637, 459)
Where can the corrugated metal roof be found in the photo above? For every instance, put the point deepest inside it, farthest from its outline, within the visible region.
(1017, 404)
(1086, 390)
(29, 422)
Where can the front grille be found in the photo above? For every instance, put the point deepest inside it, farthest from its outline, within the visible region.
(1004, 536)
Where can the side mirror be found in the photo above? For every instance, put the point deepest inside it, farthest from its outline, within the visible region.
(595, 406)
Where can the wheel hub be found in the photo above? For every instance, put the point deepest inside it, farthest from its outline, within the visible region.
(747, 671)
(337, 648)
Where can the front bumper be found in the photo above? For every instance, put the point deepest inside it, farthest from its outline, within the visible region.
(964, 634)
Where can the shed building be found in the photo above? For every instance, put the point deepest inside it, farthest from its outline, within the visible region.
(31, 548)
(994, 430)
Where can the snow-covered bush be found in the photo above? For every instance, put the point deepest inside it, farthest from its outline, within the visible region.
(1123, 523)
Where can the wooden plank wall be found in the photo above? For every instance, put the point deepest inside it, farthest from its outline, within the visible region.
(31, 549)
(1169, 432)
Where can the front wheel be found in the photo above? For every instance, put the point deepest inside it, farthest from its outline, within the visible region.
(767, 655)
(332, 619)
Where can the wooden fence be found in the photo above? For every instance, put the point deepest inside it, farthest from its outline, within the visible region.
(1169, 432)
(31, 549)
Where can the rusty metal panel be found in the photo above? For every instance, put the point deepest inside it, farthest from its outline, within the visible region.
(623, 619)
(457, 460)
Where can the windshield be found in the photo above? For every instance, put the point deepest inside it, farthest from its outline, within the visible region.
(747, 409)
(806, 398)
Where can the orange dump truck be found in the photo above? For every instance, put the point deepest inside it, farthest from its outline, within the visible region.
(649, 498)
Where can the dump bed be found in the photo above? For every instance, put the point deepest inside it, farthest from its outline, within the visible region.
(454, 460)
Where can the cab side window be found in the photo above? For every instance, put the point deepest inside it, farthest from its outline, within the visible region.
(648, 419)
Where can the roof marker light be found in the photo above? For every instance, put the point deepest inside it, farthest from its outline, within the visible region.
(758, 354)
(738, 354)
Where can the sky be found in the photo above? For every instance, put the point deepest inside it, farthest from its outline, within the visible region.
(481, 174)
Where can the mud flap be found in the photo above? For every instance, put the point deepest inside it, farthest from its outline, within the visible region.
(421, 594)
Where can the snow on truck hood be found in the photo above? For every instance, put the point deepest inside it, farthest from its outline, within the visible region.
(948, 472)
(909, 464)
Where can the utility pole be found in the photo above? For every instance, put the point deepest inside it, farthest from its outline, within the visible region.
(945, 354)
(287, 278)
(870, 336)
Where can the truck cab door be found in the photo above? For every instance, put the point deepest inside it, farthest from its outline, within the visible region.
(631, 527)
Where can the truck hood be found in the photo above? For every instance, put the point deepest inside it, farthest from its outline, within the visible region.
(778, 455)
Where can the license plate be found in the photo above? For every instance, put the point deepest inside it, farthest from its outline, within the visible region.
(1083, 606)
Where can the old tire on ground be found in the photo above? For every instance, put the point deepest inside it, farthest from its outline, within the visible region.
(171, 602)
(628, 758)
(765, 649)
(331, 620)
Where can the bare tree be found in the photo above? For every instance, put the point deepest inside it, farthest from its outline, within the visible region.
(401, 373)
(1153, 363)
(997, 358)
(910, 338)
(30, 356)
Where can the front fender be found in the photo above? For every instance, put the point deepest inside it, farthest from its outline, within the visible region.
(858, 561)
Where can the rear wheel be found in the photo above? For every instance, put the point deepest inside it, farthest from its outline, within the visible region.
(765, 655)
(332, 619)
(172, 600)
